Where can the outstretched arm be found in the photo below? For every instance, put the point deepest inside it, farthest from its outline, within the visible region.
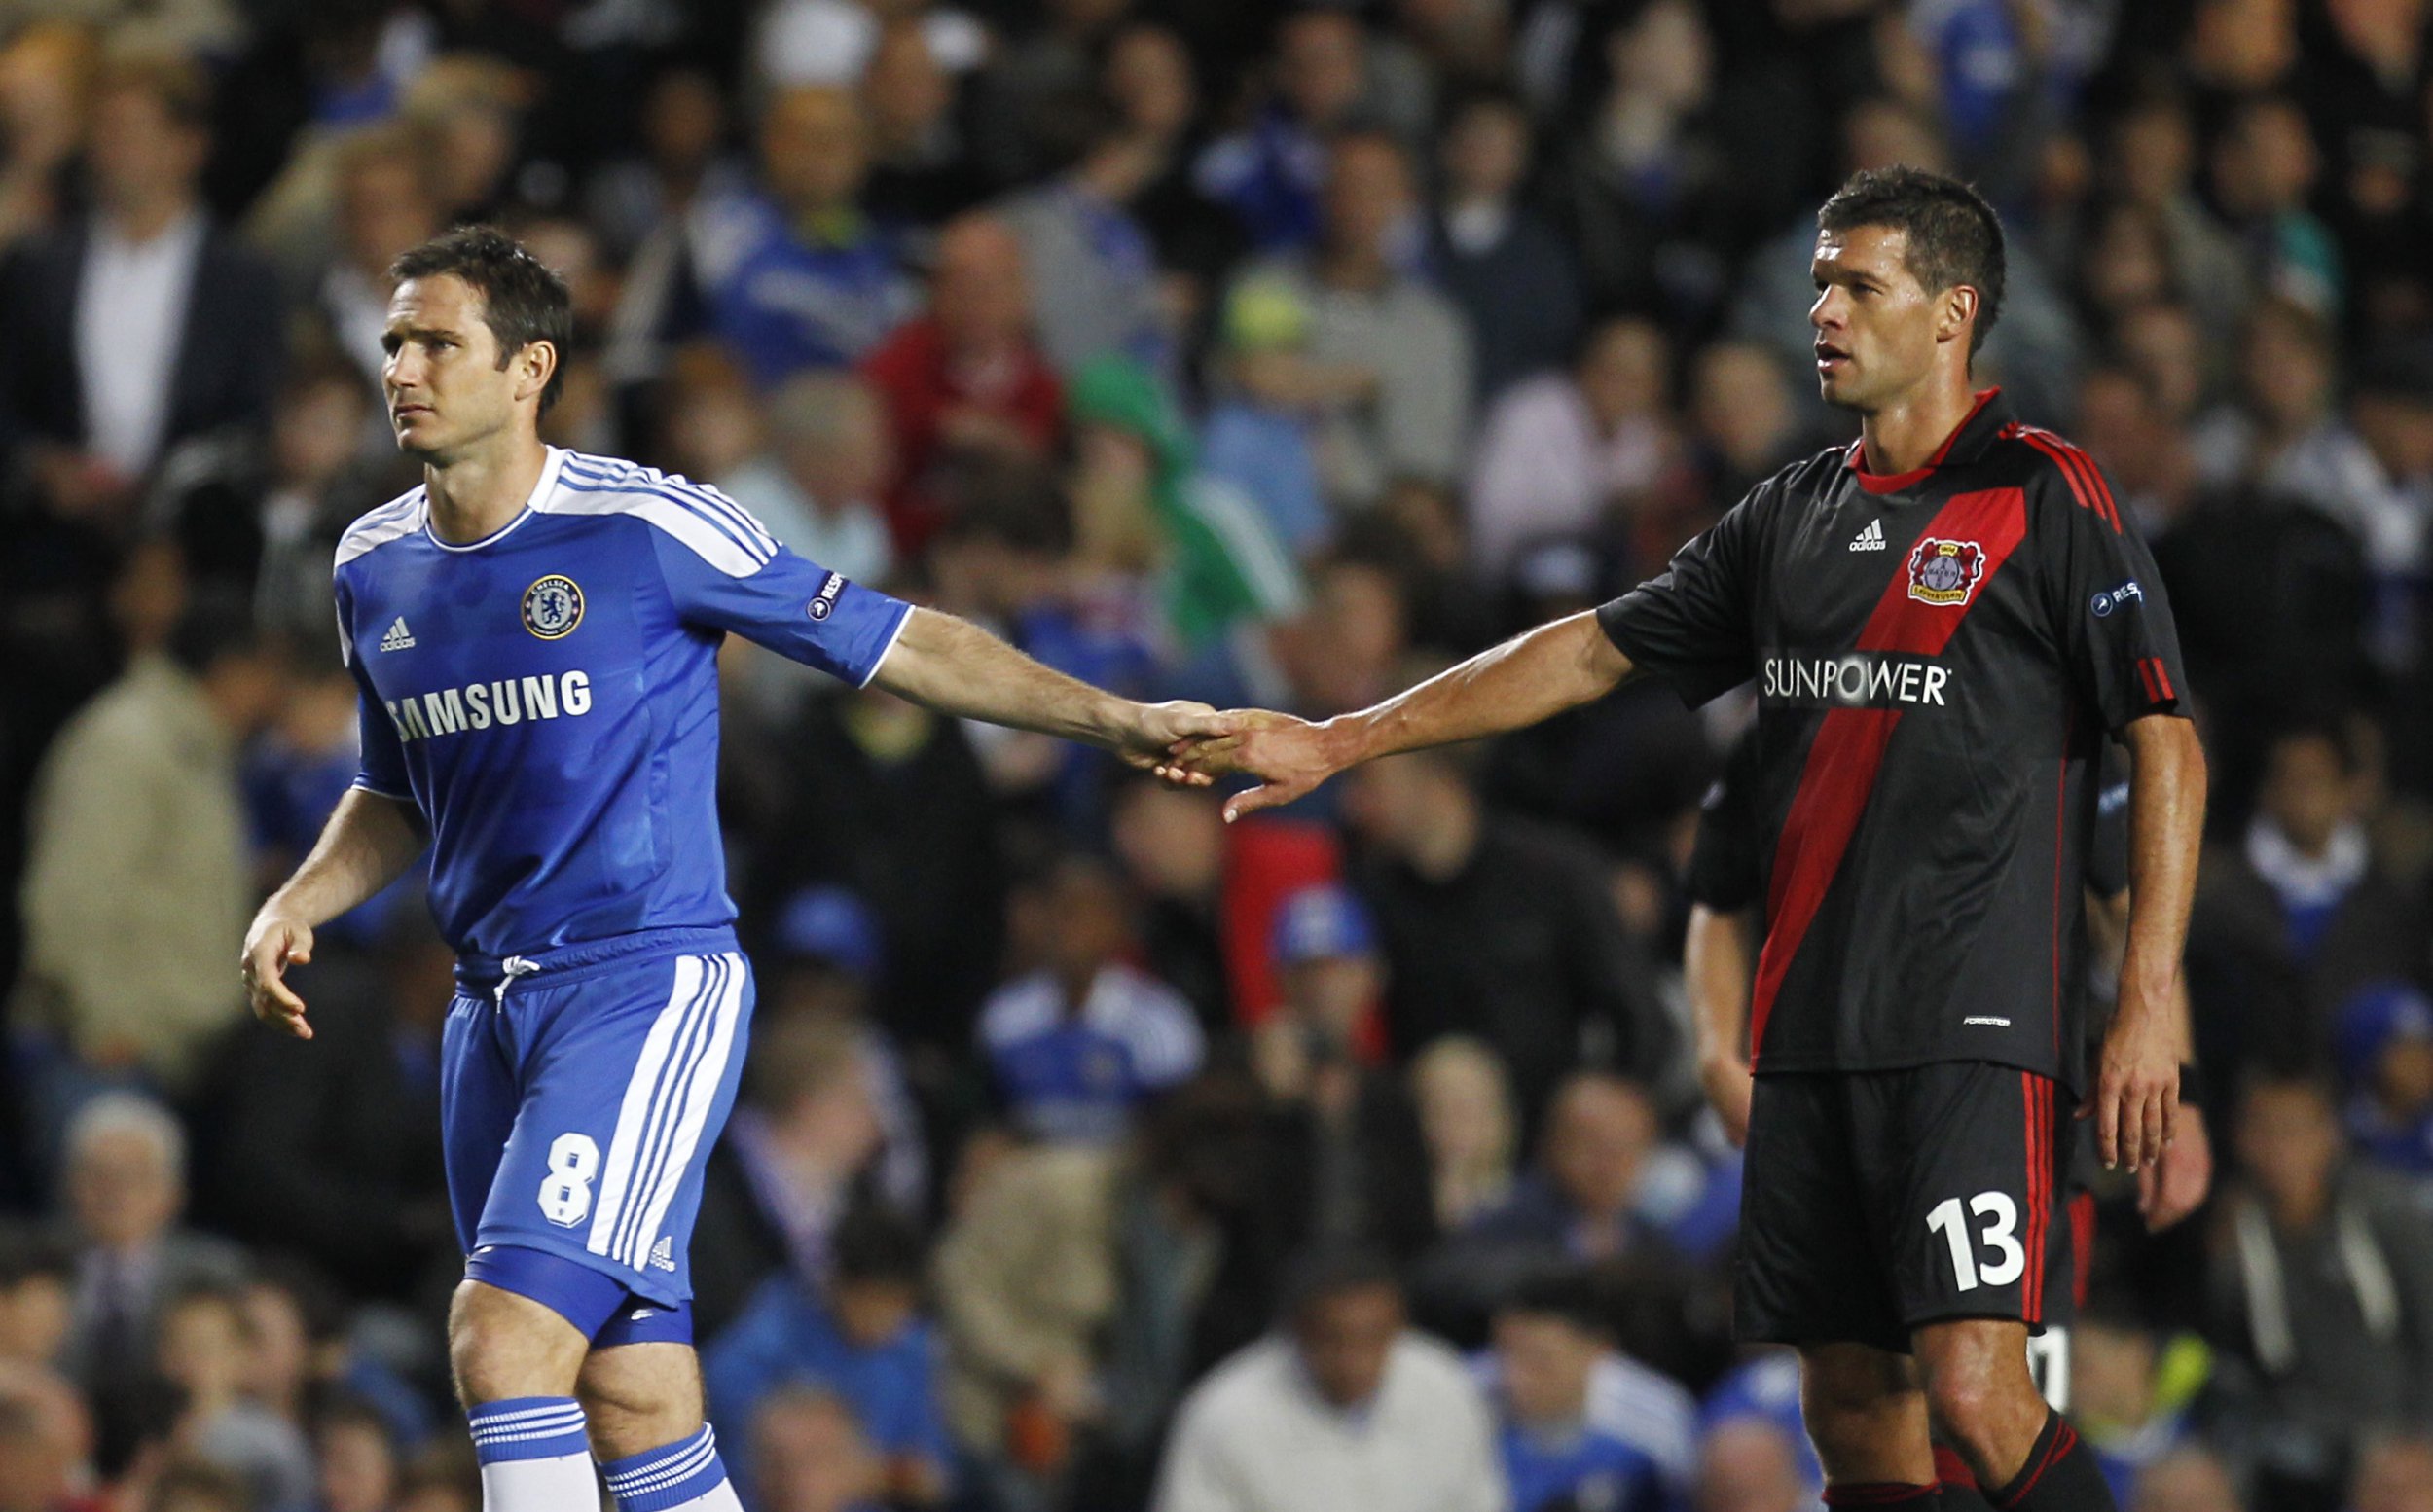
(1527, 679)
(957, 668)
(368, 842)
(2138, 1092)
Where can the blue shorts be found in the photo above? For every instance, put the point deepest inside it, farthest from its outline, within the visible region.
(580, 1092)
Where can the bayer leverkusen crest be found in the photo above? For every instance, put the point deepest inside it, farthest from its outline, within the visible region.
(1945, 572)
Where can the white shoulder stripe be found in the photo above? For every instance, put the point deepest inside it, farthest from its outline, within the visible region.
(589, 472)
(708, 541)
(398, 517)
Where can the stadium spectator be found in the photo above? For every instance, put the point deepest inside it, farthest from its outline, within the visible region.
(42, 71)
(922, 172)
(2393, 1475)
(1562, 452)
(1352, 1159)
(1172, 849)
(137, 880)
(384, 202)
(968, 379)
(801, 1142)
(2264, 169)
(1578, 1424)
(94, 387)
(799, 278)
(2135, 1390)
(817, 486)
(2152, 162)
(1395, 360)
(1497, 929)
(37, 1297)
(123, 1177)
(2301, 901)
(2324, 1290)
(1471, 1131)
(318, 1149)
(1027, 1282)
(203, 1351)
(859, 1335)
(1077, 1047)
(1345, 1405)
(357, 1458)
(1272, 175)
(1516, 281)
(1749, 1465)
(1093, 271)
(2384, 1042)
(2187, 1480)
(810, 1454)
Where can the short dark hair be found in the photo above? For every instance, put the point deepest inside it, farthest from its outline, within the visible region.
(1323, 1275)
(217, 625)
(1567, 1294)
(522, 301)
(874, 1243)
(1954, 236)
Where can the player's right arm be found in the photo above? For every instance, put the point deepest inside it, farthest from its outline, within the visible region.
(1717, 968)
(1529, 678)
(369, 842)
(1691, 625)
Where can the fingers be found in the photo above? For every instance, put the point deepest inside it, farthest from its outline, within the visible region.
(2150, 1194)
(2108, 1101)
(1265, 796)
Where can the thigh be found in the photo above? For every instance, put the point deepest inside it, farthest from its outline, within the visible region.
(628, 1077)
(638, 1396)
(477, 1099)
(1972, 1157)
(1807, 1273)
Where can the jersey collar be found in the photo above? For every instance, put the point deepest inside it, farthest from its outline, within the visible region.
(1966, 443)
(539, 496)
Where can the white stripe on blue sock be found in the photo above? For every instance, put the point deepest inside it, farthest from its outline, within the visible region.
(668, 1477)
(528, 1428)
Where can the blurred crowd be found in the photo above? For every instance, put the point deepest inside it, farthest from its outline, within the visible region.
(1092, 1154)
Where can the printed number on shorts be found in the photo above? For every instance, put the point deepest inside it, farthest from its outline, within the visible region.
(2002, 1220)
(567, 1193)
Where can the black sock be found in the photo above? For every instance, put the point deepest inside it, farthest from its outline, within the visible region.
(1884, 1493)
(1959, 1482)
(2060, 1476)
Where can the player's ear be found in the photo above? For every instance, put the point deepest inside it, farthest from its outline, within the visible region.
(535, 365)
(1959, 313)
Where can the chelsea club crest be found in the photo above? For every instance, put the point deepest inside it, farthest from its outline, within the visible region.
(552, 607)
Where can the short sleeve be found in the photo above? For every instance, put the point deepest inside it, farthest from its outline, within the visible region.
(2117, 635)
(1724, 864)
(728, 573)
(383, 754)
(1691, 625)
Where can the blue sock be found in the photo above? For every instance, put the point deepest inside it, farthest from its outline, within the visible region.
(533, 1454)
(682, 1475)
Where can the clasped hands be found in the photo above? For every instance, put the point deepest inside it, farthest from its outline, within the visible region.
(1192, 745)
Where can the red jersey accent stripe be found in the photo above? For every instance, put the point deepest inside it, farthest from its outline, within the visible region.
(2146, 678)
(2082, 1246)
(2033, 1189)
(2086, 483)
(2075, 467)
(2163, 676)
(1849, 746)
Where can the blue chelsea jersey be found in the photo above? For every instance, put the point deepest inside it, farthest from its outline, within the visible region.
(548, 696)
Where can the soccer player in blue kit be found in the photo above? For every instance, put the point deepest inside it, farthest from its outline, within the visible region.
(534, 636)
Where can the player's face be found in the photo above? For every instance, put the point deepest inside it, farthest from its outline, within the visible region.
(1876, 330)
(444, 387)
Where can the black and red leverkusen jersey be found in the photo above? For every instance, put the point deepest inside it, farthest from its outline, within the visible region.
(1939, 657)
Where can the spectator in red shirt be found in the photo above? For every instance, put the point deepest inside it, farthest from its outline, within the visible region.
(965, 379)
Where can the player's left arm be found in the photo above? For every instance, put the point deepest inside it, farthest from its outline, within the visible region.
(2176, 1185)
(957, 668)
(2137, 1089)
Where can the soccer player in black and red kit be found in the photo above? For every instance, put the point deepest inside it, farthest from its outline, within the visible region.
(1944, 621)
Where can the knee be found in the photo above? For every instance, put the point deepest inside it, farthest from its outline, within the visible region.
(501, 1346)
(1981, 1406)
(1965, 1407)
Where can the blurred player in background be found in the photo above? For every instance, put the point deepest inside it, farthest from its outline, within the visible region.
(534, 636)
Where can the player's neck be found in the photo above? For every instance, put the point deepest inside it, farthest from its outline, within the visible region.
(473, 496)
(1904, 435)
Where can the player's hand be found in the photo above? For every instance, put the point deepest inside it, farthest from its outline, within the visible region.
(276, 940)
(2137, 1093)
(1290, 756)
(1730, 1084)
(2175, 1186)
(1160, 730)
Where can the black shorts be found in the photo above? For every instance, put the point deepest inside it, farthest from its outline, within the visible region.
(1874, 1202)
